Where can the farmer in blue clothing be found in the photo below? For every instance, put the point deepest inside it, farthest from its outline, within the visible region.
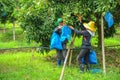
(64, 37)
(87, 31)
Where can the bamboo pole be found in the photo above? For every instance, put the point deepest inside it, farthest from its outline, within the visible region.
(72, 44)
(103, 48)
(63, 69)
(70, 58)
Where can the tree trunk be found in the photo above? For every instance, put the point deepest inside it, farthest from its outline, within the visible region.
(14, 31)
(4, 28)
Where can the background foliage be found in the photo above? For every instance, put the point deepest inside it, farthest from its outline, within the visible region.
(38, 17)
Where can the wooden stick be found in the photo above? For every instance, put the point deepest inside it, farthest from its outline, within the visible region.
(70, 59)
(62, 72)
(103, 49)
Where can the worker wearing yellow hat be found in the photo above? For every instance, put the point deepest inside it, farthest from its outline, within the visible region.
(87, 31)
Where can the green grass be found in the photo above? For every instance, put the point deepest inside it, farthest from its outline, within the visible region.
(15, 44)
(25, 66)
(112, 41)
(107, 41)
(6, 39)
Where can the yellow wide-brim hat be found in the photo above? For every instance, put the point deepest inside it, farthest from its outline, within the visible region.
(90, 26)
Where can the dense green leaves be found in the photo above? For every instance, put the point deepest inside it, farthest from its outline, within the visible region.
(7, 10)
(37, 21)
(37, 17)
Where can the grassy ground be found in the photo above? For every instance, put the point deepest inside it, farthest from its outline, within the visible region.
(26, 66)
(6, 39)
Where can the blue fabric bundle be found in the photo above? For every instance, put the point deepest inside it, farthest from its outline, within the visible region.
(55, 42)
(96, 70)
(109, 19)
(92, 58)
(66, 33)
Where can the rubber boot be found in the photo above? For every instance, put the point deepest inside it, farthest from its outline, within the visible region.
(59, 62)
(82, 67)
(88, 67)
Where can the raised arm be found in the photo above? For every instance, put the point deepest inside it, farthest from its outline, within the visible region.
(71, 27)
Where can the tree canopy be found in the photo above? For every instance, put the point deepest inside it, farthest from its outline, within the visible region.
(38, 17)
(7, 10)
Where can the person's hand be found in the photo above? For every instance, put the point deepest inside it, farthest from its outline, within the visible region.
(80, 18)
(71, 27)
